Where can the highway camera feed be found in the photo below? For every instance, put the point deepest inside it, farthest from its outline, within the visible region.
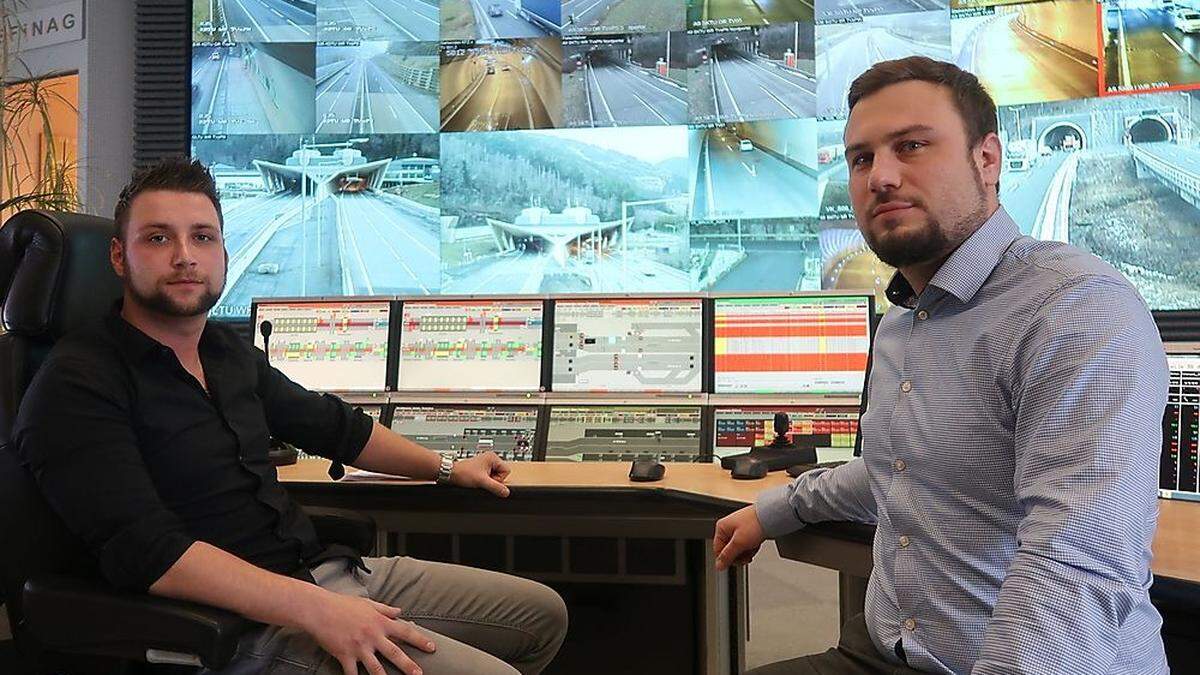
(318, 216)
(501, 84)
(625, 80)
(583, 17)
(601, 210)
(1117, 177)
(720, 14)
(1049, 49)
(752, 74)
(491, 19)
(252, 88)
(377, 88)
(1150, 44)
(340, 20)
(229, 21)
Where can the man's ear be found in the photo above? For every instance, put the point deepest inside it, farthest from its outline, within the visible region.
(990, 158)
(116, 256)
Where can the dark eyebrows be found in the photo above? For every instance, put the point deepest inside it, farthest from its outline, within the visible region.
(912, 128)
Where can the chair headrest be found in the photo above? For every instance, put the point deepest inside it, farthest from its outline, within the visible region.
(54, 272)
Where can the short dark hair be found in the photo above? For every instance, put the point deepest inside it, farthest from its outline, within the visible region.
(177, 174)
(975, 106)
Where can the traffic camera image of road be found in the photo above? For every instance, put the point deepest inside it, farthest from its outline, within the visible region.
(754, 170)
(377, 88)
(1150, 44)
(757, 255)
(309, 216)
(229, 21)
(846, 50)
(754, 74)
(1116, 176)
(344, 20)
(584, 17)
(1043, 51)
(576, 210)
(718, 14)
(505, 84)
(252, 88)
(627, 80)
(492, 19)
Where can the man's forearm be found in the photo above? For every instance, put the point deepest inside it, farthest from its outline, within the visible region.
(209, 575)
(389, 452)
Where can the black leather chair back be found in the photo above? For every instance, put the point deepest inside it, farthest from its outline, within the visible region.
(54, 277)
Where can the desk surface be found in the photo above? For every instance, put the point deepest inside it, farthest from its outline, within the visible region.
(1176, 545)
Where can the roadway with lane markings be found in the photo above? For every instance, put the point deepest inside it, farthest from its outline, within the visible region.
(509, 24)
(378, 20)
(1147, 49)
(1033, 69)
(387, 248)
(624, 93)
(267, 21)
(847, 55)
(224, 100)
(499, 94)
(743, 13)
(361, 98)
(753, 87)
(750, 184)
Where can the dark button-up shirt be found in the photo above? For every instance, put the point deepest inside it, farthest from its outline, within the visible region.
(140, 461)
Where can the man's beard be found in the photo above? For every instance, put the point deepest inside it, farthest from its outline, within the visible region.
(931, 241)
(161, 303)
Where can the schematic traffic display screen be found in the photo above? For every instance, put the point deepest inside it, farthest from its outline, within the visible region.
(623, 433)
(628, 345)
(327, 346)
(475, 345)
(469, 430)
(791, 345)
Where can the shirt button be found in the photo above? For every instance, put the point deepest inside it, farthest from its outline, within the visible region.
(906, 386)
(904, 542)
(910, 624)
(922, 315)
(899, 464)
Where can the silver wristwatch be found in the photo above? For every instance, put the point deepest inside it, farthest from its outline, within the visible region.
(443, 474)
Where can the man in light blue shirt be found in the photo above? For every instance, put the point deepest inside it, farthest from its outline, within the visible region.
(1011, 442)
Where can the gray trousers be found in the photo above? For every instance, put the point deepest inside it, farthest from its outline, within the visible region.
(482, 622)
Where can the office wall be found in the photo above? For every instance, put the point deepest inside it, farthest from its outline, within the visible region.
(104, 61)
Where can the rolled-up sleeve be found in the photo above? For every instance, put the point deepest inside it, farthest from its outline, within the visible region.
(1092, 386)
(74, 432)
(840, 493)
(322, 424)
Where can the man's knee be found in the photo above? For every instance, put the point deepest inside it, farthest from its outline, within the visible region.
(550, 611)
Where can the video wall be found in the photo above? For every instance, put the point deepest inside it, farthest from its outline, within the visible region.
(367, 147)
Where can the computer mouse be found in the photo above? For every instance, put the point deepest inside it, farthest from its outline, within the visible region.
(748, 467)
(644, 470)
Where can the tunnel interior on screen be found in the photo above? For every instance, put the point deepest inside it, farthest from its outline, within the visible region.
(369, 147)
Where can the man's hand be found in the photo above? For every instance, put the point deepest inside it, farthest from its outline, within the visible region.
(359, 630)
(485, 470)
(738, 537)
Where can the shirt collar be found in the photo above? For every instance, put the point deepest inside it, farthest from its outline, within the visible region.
(969, 266)
(137, 345)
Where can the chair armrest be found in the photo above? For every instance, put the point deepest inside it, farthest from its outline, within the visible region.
(71, 615)
(343, 526)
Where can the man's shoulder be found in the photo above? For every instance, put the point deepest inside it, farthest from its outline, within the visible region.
(91, 343)
(1046, 267)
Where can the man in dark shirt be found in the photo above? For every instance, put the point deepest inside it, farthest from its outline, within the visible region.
(148, 433)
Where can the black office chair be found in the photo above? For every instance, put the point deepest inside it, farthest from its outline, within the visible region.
(54, 277)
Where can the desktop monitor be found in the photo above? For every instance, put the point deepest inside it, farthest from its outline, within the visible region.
(624, 433)
(1179, 477)
(466, 430)
(737, 429)
(642, 345)
(471, 345)
(815, 345)
(339, 345)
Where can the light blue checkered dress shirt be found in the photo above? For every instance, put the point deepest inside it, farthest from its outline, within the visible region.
(1010, 460)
